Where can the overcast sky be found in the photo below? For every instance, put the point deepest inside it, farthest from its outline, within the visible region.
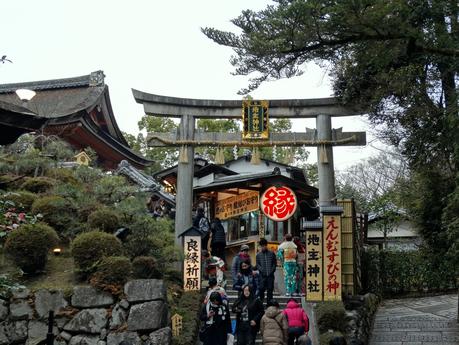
(152, 46)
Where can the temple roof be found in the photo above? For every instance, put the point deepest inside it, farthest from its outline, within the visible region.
(76, 109)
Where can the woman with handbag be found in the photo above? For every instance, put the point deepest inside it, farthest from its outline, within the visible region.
(249, 311)
(217, 321)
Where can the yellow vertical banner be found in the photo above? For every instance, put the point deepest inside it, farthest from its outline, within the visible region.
(192, 263)
(314, 274)
(332, 257)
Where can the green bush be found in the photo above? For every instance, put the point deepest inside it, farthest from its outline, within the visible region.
(58, 212)
(389, 272)
(22, 200)
(112, 270)
(29, 246)
(7, 285)
(145, 267)
(188, 306)
(63, 175)
(330, 315)
(38, 184)
(150, 237)
(90, 247)
(86, 207)
(324, 339)
(104, 219)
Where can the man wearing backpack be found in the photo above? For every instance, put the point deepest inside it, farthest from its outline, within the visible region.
(202, 223)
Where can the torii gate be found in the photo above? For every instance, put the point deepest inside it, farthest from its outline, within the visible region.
(187, 109)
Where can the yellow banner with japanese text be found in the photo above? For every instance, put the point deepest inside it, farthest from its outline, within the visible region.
(332, 257)
(237, 205)
(314, 274)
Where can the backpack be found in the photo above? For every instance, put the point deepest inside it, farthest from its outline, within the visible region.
(204, 225)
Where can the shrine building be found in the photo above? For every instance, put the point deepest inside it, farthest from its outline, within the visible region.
(232, 192)
(77, 110)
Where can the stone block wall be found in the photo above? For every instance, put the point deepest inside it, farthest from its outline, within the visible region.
(89, 316)
(360, 311)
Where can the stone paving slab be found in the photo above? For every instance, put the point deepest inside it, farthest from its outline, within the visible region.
(417, 321)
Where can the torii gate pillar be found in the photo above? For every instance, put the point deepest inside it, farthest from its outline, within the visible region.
(185, 173)
(326, 172)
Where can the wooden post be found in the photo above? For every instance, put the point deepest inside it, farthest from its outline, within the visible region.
(185, 172)
(325, 162)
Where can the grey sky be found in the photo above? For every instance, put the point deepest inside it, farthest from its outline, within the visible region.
(154, 46)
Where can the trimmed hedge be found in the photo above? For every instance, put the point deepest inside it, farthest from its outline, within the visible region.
(62, 174)
(330, 315)
(22, 200)
(28, 246)
(90, 247)
(38, 184)
(111, 274)
(57, 212)
(389, 272)
(104, 219)
(145, 267)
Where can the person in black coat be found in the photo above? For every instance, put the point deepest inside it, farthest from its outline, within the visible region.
(249, 311)
(218, 242)
(217, 320)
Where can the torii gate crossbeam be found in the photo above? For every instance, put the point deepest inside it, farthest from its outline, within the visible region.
(187, 109)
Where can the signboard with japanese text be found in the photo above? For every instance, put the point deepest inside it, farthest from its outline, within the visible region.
(192, 263)
(314, 268)
(332, 257)
(278, 203)
(237, 205)
(255, 119)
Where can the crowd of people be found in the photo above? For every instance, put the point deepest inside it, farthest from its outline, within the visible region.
(251, 281)
(276, 326)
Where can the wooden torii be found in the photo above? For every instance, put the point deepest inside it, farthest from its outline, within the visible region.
(187, 109)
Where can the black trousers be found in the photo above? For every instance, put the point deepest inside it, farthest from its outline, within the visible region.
(246, 337)
(294, 333)
(218, 249)
(266, 283)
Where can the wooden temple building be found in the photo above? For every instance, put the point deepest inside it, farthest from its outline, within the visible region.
(78, 110)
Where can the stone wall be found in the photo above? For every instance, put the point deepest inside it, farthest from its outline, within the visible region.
(88, 316)
(360, 311)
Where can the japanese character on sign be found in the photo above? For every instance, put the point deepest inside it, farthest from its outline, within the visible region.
(332, 257)
(192, 263)
(278, 203)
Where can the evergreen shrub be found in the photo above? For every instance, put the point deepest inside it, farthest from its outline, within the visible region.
(57, 211)
(111, 273)
(188, 306)
(145, 267)
(38, 184)
(330, 315)
(62, 174)
(325, 338)
(22, 200)
(104, 219)
(90, 247)
(391, 272)
(28, 246)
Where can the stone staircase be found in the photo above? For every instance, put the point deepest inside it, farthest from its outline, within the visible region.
(232, 297)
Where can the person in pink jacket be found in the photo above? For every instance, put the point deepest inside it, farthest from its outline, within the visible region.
(298, 321)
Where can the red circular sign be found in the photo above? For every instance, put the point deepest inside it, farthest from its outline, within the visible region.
(278, 203)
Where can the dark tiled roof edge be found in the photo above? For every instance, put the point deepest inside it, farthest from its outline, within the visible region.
(94, 79)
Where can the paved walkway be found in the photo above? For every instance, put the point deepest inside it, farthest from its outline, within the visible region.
(417, 321)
